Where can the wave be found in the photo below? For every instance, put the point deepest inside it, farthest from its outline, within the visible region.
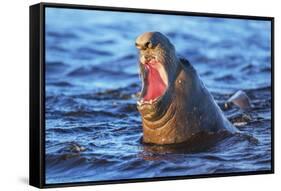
(251, 69)
(227, 77)
(97, 71)
(55, 67)
(82, 114)
(62, 35)
(70, 130)
(60, 84)
(91, 51)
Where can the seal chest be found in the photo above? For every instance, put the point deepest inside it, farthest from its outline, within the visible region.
(167, 103)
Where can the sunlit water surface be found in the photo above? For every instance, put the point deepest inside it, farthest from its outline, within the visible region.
(93, 129)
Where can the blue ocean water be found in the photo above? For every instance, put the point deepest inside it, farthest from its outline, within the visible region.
(93, 128)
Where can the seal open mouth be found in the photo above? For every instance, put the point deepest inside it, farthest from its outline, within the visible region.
(154, 81)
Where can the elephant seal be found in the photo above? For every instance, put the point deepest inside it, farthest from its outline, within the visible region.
(174, 103)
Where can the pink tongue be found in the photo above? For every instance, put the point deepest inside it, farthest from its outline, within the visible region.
(155, 85)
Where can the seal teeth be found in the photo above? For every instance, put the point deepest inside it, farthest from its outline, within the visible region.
(142, 101)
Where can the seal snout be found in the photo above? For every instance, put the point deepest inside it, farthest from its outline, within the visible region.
(147, 40)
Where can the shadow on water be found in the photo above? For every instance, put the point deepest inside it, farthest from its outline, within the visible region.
(199, 143)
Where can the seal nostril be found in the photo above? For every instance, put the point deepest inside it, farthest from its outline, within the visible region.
(147, 44)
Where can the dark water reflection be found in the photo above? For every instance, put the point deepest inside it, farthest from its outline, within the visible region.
(93, 129)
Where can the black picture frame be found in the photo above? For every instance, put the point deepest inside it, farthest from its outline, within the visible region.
(37, 93)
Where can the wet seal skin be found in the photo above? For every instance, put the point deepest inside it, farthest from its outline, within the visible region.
(174, 103)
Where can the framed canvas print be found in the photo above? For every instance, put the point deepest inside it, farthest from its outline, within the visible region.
(125, 95)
